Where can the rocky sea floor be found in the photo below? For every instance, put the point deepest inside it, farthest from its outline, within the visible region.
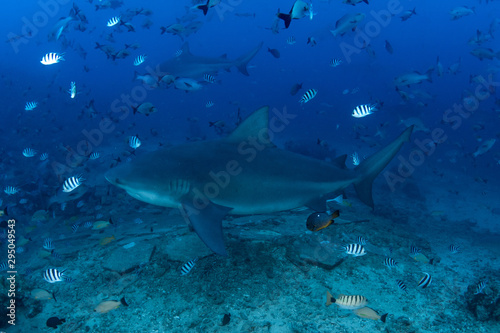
(276, 276)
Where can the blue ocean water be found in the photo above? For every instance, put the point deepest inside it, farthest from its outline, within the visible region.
(446, 173)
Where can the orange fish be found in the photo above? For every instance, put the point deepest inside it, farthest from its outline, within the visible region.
(318, 221)
(107, 240)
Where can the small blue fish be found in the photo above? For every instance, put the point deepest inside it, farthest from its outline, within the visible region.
(335, 62)
(29, 152)
(134, 142)
(139, 60)
(47, 244)
(4, 266)
(30, 106)
(11, 190)
(454, 249)
(94, 156)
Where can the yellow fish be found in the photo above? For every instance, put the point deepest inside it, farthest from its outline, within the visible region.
(422, 258)
(40, 216)
(42, 294)
(107, 240)
(369, 313)
(106, 306)
(44, 254)
(23, 241)
(101, 224)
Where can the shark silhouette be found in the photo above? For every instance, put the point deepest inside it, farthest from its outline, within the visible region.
(189, 65)
(243, 174)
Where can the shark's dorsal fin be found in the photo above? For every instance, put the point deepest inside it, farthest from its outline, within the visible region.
(256, 125)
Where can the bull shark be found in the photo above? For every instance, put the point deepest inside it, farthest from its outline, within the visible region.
(243, 174)
(191, 66)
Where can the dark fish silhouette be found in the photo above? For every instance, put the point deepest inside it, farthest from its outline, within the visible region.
(274, 52)
(54, 322)
(295, 88)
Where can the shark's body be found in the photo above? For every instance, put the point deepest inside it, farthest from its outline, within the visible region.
(242, 175)
(191, 66)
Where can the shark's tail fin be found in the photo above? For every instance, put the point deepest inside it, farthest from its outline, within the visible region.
(373, 165)
(242, 62)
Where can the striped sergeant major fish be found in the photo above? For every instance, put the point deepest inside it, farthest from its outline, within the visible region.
(11, 190)
(29, 152)
(4, 266)
(361, 240)
(72, 89)
(52, 275)
(335, 62)
(389, 262)
(454, 249)
(30, 106)
(480, 287)
(401, 285)
(187, 267)
(364, 110)
(356, 250)
(94, 156)
(47, 244)
(134, 142)
(414, 250)
(52, 58)
(310, 94)
(72, 183)
(209, 78)
(348, 302)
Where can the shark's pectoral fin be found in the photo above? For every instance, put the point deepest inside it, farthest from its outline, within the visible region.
(373, 165)
(318, 205)
(340, 161)
(207, 223)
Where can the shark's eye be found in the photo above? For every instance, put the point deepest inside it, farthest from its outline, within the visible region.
(118, 181)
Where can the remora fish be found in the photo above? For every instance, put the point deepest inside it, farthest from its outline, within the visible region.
(222, 181)
(188, 65)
